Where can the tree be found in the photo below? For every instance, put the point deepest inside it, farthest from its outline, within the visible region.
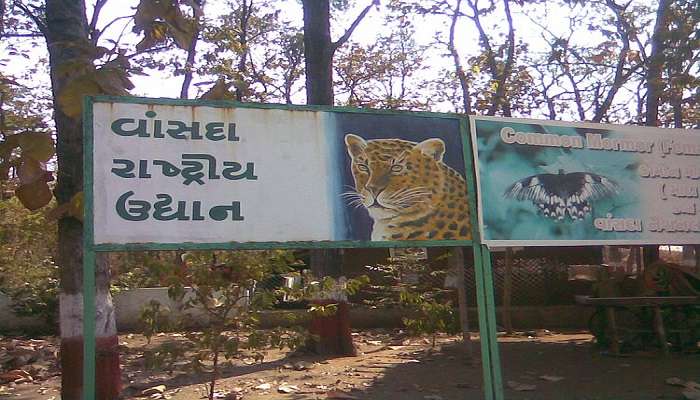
(71, 55)
(71, 44)
(256, 51)
(318, 55)
(385, 74)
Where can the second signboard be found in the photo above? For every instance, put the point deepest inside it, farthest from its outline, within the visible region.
(552, 183)
(179, 173)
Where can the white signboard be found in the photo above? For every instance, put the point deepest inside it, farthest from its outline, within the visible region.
(212, 174)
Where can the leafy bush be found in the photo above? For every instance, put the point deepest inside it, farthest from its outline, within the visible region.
(28, 273)
(432, 317)
(223, 286)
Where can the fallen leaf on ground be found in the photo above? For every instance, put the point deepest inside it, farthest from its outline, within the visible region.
(551, 378)
(675, 381)
(154, 390)
(521, 387)
(302, 365)
(288, 388)
(264, 386)
(16, 375)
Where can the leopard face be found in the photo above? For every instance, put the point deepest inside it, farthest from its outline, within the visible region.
(407, 188)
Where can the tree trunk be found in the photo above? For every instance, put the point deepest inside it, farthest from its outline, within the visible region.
(192, 50)
(318, 52)
(67, 41)
(655, 86)
(334, 331)
(654, 79)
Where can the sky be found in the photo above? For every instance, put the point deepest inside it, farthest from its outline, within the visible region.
(162, 84)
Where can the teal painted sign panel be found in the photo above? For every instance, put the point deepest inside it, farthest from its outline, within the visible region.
(555, 184)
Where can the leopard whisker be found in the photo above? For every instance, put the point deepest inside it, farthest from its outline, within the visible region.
(417, 196)
(406, 190)
(350, 195)
(355, 202)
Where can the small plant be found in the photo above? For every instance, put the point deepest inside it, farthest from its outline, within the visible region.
(432, 317)
(155, 318)
(222, 284)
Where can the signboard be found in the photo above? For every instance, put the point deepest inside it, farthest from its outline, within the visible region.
(558, 184)
(173, 174)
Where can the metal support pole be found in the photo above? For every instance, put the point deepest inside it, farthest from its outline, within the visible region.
(490, 359)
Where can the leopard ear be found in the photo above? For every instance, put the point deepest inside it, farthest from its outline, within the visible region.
(434, 148)
(355, 144)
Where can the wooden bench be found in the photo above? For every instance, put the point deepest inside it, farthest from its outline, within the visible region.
(656, 303)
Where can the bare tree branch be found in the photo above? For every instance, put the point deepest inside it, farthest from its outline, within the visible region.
(197, 9)
(355, 23)
(459, 69)
(17, 35)
(656, 62)
(499, 99)
(93, 21)
(623, 30)
(40, 24)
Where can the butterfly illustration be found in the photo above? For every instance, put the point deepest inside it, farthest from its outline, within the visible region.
(562, 194)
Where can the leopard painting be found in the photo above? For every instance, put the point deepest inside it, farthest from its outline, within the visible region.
(409, 192)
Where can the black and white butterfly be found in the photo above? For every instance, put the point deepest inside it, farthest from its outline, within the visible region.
(562, 194)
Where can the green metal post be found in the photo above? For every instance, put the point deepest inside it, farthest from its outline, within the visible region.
(487, 275)
(490, 359)
(484, 335)
(89, 356)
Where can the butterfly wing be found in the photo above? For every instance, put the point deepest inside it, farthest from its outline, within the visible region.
(558, 195)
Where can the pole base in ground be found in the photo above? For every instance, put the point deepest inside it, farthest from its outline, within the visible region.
(108, 375)
(331, 334)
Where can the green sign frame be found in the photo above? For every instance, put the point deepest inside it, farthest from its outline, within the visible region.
(493, 388)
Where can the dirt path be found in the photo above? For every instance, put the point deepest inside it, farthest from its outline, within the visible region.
(546, 366)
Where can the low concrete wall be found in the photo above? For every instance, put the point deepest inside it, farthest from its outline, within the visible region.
(550, 317)
(9, 321)
(128, 305)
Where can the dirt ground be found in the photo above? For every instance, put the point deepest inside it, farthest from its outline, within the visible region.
(536, 365)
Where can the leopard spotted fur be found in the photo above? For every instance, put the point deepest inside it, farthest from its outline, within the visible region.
(409, 192)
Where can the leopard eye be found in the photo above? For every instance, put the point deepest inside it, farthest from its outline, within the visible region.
(396, 168)
(363, 167)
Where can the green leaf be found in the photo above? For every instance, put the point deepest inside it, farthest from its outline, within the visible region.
(30, 171)
(220, 91)
(152, 16)
(34, 195)
(108, 80)
(113, 81)
(38, 146)
(70, 99)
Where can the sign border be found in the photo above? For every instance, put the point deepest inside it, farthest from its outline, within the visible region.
(555, 243)
(88, 177)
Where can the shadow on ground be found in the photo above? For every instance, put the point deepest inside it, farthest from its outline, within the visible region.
(542, 368)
